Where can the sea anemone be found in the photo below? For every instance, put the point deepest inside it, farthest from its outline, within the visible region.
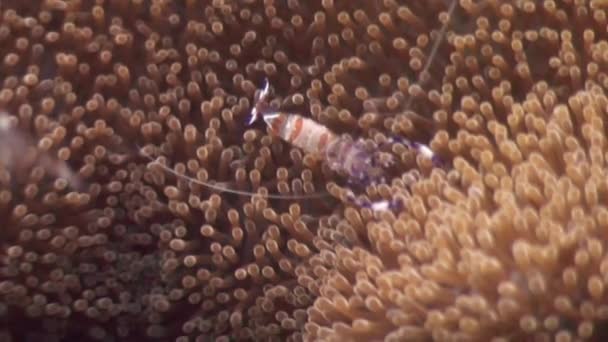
(508, 243)
(108, 107)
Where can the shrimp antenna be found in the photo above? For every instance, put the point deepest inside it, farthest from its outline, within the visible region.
(435, 48)
(228, 190)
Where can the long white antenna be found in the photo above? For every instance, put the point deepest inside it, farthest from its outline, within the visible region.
(435, 48)
(228, 190)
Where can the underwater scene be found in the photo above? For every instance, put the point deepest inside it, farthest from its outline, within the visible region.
(303, 170)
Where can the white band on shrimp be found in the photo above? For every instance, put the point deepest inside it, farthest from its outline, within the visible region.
(261, 97)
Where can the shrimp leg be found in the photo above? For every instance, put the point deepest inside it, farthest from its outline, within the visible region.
(380, 205)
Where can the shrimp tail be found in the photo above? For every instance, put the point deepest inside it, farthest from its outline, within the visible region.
(260, 104)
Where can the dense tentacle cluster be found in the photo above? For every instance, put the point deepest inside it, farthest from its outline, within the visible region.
(99, 242)
(97, 233)
(509, 243)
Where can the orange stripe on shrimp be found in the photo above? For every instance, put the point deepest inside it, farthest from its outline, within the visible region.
(324, 139)
(307, 135)
(296, 129)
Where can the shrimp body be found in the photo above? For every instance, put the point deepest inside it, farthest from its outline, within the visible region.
(342, 155)
(300, 132)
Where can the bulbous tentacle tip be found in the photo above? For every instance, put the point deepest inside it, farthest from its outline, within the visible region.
(386, 161)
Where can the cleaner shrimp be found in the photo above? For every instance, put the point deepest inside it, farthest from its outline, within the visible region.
(342, 154)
